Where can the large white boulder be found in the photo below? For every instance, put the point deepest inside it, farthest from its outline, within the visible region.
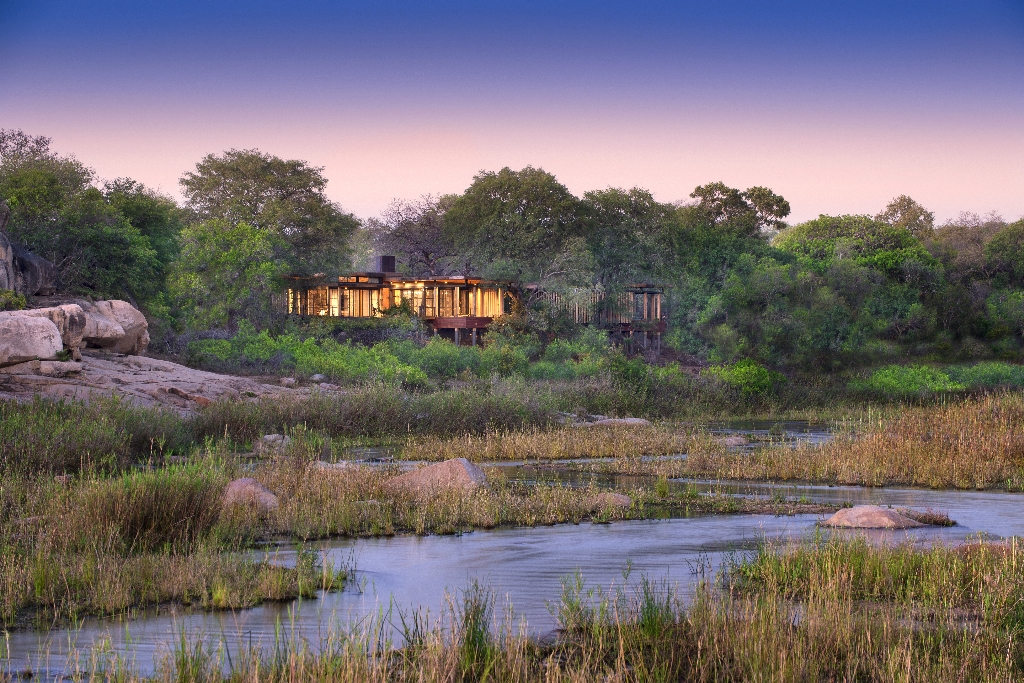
(69, 319)
(24, 338)
(116, 326)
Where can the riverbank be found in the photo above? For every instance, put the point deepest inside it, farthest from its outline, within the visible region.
(837, 609)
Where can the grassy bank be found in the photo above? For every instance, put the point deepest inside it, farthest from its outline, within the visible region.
(817, 611)
(964, 444)
(101, 543)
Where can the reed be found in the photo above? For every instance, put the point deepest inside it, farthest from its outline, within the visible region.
(553, 444)
(972, 443)
(793, 613)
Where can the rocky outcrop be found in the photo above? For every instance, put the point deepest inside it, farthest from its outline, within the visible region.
(7, 277)
(250, 492)
(33, 275)
(69, 319)
(24, 338)
(21, 270)
(870, 517)
(116, 326)
(458, 474)
(144, 381)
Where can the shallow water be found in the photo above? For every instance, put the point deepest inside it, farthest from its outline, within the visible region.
(524, 567)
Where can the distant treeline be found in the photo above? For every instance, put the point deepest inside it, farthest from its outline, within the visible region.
(837, 291)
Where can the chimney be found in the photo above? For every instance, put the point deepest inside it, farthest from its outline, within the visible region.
(386, 264)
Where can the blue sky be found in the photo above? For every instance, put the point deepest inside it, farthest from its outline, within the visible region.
(839, 106)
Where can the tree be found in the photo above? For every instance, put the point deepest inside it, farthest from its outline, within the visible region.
(747, 213)
(624, 232)
(284, 197)
(1005, 253)
(904, 212)
(414, 233)
(57, 213)
(226, 272)
(516, 225)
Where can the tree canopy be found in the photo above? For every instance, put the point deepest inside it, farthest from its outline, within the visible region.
(283, 197)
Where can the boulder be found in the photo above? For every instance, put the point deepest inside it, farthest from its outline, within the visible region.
(271, 444)
(870, 517)
(622, 422)
(7, 279)
(24, 338)
(456, 474)
(33, 275)
(116, 326)
(286, 381)
(610, 501)
(732, 441)
(69, 319)
(248, 491)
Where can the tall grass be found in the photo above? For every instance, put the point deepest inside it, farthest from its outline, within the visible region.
(552, 444)
(797, 615)
(971, 443)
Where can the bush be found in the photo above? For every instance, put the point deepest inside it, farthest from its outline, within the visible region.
(11, 301)
(905, 380)
(749, 376)
(987, 375)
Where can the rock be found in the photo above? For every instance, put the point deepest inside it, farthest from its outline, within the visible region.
(326, 386)
(622, 422)
(69, 319)
(870, 517)
(24, 338)
(318, 378)
(287, 381)
(140, 380)
(116, 326)
(456, 474)
(609, 501)
(732, 441)
(201, 401)
(248, 491)
(33, 274)
(7, 279)
(44, 368)
(272, 445)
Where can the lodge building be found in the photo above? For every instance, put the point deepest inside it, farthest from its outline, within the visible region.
(461, 308)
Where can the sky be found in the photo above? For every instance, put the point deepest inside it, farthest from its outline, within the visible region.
(837, 105)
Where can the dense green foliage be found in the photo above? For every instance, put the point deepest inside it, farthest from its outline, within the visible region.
(837, 293)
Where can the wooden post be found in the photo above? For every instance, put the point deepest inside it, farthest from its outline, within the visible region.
(457, 305)
(473, 335)
(458, 337)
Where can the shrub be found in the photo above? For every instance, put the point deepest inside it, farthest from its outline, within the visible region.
(11, 301)
(987, 375)
(749, 376)
(904, 380)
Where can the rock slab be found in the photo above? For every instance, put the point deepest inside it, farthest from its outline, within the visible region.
(456, 474)
(248, 491)
(148, 382)
(870, 517)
